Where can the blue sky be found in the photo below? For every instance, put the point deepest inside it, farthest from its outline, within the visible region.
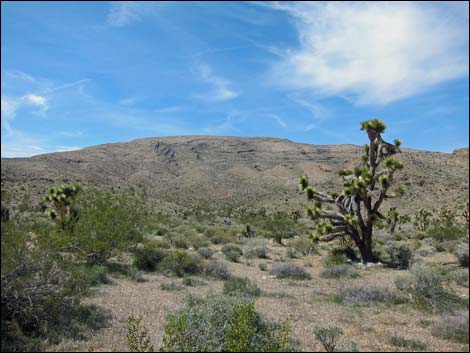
(76, 74)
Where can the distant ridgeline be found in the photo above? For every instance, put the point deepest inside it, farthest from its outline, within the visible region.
(230, 172)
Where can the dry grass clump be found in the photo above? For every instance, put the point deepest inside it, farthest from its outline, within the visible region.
(453, 327)
(340, 271)
(364, 294)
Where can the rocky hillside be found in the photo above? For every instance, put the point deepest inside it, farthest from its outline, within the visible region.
(217, 172)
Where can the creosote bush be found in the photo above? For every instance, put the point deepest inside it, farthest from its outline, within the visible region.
(287, 270)
(106, 226)
(148, 257)
(220, 235)
(180, 263)
(223, 324)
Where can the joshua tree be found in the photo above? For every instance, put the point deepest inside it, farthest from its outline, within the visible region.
(422, 218)
(61, 197)
(248, 232)
(364, 189)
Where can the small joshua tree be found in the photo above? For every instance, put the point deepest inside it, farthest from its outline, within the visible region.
(364, 190)
(422, 219)
(61, 197)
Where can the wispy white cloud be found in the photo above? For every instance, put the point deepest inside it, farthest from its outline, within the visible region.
(33, 96)
(225, 127)
(319, 112)
(9, 107)
(374, 52)
(18, 74)
(221, 88)
(170, 109)
(129, 101)
(310, 127)
(278, 120)
(123, 13)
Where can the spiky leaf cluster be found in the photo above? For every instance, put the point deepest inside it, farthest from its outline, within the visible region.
(375, 125)
(61, 198)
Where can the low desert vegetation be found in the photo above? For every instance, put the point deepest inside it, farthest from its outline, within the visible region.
(247, 279)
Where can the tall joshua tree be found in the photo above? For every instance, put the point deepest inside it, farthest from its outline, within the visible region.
(364, 189)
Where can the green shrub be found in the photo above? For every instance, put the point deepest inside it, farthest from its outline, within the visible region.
(193, 282)
(398, 255)
(428, 288)
(205, 253)
(148, 257)
(280, 227)
(223, 324)
(263, 267)
(232, 252)
(333, 259)
(241, 286)
(443, 231)
(219, 235)
(107, 225)
(286, 270)
(410, 344)
(339, 271)
(301, 246)
(96, 274)
(217, 270)
(179, 263)
(41, 288)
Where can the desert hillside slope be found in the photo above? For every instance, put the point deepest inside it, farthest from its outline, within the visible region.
(218, 172)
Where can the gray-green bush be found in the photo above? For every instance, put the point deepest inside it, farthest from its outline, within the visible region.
(287, 270)
(223, 324)
(428, 289)
(218, 270)
(363, 294)
(241, 286)
(232, 252)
